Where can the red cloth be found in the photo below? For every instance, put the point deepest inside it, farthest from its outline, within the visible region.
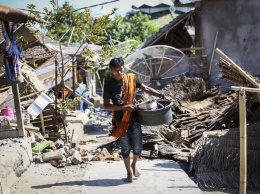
(129, 83)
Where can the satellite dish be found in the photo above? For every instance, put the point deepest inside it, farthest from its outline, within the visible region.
(156, 64)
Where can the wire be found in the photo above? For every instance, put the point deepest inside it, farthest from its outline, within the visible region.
(76, 9)
(96, 5)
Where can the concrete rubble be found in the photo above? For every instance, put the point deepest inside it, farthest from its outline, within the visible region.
(16, 157)
(17, 154)
(61, 154)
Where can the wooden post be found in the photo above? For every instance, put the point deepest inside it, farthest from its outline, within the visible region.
(18, 110)
(243, 134)
(73, 79)
(243, 140)
(42, 123)
(212, 56)
(56, 93)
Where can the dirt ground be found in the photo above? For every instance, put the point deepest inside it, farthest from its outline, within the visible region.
(157, 176)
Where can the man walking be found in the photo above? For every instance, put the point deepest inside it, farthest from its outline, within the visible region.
(125, 122)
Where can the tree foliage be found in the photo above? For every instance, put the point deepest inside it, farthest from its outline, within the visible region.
(137, 26)
(70, 26)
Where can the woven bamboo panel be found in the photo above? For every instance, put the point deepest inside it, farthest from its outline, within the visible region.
(216, 160)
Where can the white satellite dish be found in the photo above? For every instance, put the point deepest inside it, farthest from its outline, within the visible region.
(154, 64)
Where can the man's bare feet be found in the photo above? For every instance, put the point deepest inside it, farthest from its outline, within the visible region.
(128, 178)
(135, 171)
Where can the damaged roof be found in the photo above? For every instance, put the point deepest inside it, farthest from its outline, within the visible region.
(34, 50)
(178, 24)
(18, 16)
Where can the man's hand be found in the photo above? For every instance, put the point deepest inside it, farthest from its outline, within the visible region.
(168, 98)
(129, 108)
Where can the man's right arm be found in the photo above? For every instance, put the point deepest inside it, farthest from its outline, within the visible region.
(112, 107)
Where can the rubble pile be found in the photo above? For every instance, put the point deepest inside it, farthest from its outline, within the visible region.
(61, 154)
(192, 124)
(186, 89)
(179, 139)
(195, 111)
(216, 157)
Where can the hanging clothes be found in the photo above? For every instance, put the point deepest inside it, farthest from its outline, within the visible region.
(12, 56)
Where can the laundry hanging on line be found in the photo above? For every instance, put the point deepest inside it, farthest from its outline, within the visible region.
(12, 56)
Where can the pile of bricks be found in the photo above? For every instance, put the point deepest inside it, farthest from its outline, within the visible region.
(60, 154)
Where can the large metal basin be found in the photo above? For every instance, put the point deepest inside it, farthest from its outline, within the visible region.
(159, 116)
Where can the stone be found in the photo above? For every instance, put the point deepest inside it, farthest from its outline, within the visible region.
(76, 158)
(54, 155)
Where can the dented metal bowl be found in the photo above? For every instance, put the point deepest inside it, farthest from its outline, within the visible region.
(149, 105)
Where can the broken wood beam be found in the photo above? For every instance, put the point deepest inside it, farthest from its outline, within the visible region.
(5, 88)
(27, 96)
(195, 49)
(234, 65)
(42, 123)
(27, 127)
(33, 122)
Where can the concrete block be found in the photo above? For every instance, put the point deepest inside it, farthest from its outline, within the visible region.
(105, 153)
(76, 158)
(83, 152)
(87, 158)
(54, 155)
(37, 159)
(67, 150)
(68, 161)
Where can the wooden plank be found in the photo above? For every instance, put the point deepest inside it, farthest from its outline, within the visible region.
(5, 88)
(33, 94)
(18, 110)
(235, 66)
(42, 123)
(45, 117)
(195, 49)
(4, 93)
(27, 127)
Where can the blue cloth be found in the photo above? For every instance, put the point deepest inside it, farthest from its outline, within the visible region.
(82, 90)
(12, 57)
(132, 140)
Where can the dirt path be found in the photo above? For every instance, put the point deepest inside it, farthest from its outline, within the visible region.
(157, 177)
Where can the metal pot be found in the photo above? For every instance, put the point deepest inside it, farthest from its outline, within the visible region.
(159, 116)
(149, 105)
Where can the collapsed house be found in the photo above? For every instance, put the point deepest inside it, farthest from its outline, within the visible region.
(41, 68)
(35, 53)
(207, 111)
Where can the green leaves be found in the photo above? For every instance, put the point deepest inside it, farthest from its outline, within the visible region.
(133, 27)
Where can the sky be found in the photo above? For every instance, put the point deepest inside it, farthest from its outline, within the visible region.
(122, 5)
